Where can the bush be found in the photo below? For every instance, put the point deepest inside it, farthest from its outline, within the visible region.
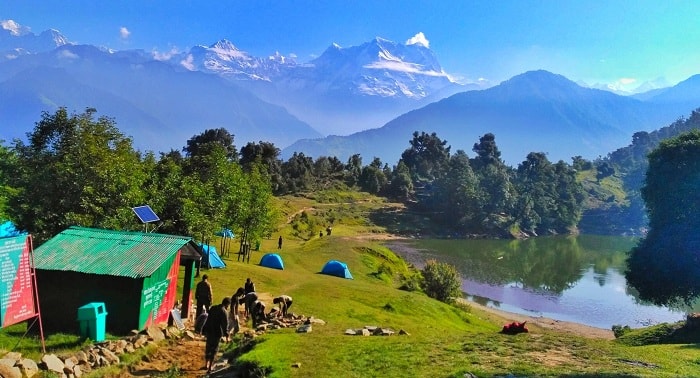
(441, 281)
(410, 281)
(619, 330)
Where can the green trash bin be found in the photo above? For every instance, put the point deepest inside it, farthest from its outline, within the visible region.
(92, 319)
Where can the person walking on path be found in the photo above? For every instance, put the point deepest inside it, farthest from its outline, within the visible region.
(279, 243)
(203, 294)
(284, 302)
(215, 328)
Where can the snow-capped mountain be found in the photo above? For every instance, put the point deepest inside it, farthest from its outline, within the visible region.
(344, 90)
(16, 40)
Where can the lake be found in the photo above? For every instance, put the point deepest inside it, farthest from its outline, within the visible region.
(571, 278)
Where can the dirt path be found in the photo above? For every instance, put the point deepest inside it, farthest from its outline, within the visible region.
(185, 357)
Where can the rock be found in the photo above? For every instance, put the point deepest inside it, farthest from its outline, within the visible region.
(28, 367)
(296, 365)
(8, 361)
(313, 320)
(77, 371)
(350, 332)
(306, 328)
(155, 333)
(371, 328)
(402, 332)
(10, 371)
(82, 357)
(13, 355)
(52, 363)
(140, 341)
(68, 363)
(110, 356)
(365, 332)
(189, 335)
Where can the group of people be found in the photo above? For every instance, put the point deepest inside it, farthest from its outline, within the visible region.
(217, 321)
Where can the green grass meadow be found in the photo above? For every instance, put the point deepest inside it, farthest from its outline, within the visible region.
(443, 340)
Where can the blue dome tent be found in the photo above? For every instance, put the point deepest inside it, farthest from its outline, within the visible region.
(8, 229)
(272, 260)
(211, 259)
(337, 268)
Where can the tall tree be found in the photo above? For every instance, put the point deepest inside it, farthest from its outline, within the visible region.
(76, 170)
(664, 267)
(201, 143)
(427, 157)
(8, 168)
(455, 192)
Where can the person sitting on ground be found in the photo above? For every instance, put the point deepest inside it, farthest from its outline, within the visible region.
(258, 313)
(284, 302)
(249, 301)
(214, 329)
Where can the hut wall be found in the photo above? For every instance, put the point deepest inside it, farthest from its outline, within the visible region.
(159, 293)
(62, 292)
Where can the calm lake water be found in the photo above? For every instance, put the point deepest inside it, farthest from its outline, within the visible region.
(578, 279)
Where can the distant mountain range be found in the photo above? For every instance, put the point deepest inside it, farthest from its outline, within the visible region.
(536, 111)
(375, 94)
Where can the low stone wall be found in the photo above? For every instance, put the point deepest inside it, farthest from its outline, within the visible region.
(95, 356)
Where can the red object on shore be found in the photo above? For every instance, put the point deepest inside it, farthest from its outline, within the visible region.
(514, 328)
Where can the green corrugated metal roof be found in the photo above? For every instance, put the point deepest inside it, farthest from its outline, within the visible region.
(107, 252)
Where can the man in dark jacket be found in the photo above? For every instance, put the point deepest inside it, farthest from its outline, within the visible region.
(203, 294)
(214, 329)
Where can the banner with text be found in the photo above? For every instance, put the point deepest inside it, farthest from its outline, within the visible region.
(16, 283)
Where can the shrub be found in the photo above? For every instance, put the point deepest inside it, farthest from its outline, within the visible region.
(619, 330)
(441, 281)
(410, 281)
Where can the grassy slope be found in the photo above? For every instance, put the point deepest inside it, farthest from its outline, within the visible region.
(444, 340)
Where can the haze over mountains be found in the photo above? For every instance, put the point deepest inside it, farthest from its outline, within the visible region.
(379, 93)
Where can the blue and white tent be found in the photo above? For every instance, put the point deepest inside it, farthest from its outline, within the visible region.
(210, 259)
(337, 268)
(272, 260)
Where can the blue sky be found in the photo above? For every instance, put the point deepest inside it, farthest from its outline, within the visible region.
(595, 41)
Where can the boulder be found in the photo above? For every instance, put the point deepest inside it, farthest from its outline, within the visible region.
(28, 367)
(155, 333)
(13, 355)
(10, 371)
(52, 363)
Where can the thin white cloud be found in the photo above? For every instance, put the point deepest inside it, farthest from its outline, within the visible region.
(124, 33)
(627, 80)
(166, 55)
(419, 39)
(400, 66)
(65, 54)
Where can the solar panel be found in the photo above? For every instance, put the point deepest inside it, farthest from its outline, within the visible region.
(145, 214)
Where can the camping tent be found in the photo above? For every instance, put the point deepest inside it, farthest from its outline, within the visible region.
(272, 260)
(8, 229)
(337, 268)
(211, 259)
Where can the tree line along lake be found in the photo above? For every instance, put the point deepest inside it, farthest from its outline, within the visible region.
(570, 278)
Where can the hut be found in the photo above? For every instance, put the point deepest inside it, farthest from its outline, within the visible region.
(134, 274)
